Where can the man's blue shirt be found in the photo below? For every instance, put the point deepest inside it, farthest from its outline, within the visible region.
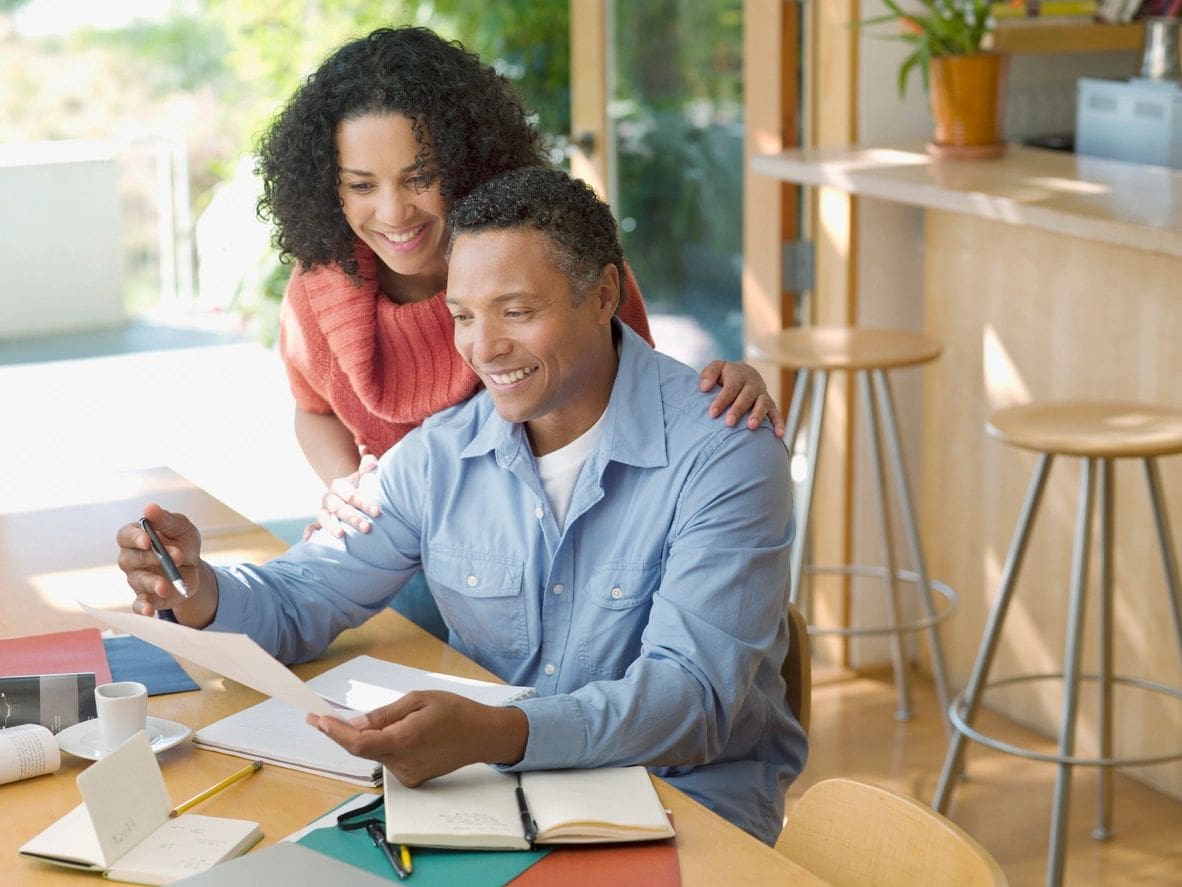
(652, 624)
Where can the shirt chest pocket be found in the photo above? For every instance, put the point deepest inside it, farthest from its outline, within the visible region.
(620, 598)
(480, 598)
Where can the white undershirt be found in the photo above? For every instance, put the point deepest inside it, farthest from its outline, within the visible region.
(559, 471)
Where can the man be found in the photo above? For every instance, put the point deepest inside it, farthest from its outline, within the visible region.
(583, 524)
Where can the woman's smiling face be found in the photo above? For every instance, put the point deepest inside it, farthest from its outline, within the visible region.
(392, 205)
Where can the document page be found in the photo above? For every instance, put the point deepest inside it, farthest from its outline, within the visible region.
(234, 655)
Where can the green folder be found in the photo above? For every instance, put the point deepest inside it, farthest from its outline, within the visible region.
(472, 868)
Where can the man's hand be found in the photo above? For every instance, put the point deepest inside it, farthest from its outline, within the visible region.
(429, 733)
(145, 575)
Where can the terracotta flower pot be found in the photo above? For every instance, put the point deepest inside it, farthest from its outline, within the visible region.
(968, 104)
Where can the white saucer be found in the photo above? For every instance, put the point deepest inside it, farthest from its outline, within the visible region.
(83, 739)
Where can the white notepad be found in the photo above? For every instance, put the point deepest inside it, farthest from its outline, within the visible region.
(123, 830)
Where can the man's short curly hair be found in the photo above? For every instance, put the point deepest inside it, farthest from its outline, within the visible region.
(580, 230)
(469, 122)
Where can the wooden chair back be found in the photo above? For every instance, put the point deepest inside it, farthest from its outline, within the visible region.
(851, 834)
(797, 669)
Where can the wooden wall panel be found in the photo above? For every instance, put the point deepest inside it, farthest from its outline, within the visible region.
(1032, 315)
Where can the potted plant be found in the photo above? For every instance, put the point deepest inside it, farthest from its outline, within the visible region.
(965, 83)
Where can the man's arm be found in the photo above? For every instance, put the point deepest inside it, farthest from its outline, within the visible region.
(296, 604)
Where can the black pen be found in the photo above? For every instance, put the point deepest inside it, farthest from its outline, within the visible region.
(377, 834)
(527, 821)
(170, 570)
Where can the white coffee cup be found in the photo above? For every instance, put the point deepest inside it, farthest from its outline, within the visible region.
(122, 711)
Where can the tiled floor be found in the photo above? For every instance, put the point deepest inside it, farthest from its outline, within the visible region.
(213, 406)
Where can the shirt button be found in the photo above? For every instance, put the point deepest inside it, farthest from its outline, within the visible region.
(549, 669)
(559, 588)
(472, 580)
(538, 512)
(617, 593)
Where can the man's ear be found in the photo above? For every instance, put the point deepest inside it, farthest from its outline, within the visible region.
(606, 292)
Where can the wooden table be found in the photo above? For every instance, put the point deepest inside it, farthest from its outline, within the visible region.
(50, 557)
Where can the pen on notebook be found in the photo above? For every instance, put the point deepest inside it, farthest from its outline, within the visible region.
(250, 768)
(527, 821)
(397, 861)
(170, 570)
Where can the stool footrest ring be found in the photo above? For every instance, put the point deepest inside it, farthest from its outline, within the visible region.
(883, 573)
(956, 718)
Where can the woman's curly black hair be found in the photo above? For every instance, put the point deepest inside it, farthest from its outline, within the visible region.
(469, 122)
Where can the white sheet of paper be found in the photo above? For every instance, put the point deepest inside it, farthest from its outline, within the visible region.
(365, 683)
(125, 795)
(235, 656)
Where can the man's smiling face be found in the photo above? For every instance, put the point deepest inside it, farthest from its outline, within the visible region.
(546, 361)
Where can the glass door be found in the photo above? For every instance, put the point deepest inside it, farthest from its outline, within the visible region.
(664, 142)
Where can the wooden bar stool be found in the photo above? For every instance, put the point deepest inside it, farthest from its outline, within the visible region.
(1099, 434)
(815, 352)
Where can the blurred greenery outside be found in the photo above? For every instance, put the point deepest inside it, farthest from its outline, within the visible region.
(215, 72)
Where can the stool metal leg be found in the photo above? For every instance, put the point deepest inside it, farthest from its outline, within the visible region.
(997, 615)
(911, 529)
(796, 410)
(1165, 541)
(899, 656)
(1071, 656)
(1103, 829)
(816, 422)
(800, 390)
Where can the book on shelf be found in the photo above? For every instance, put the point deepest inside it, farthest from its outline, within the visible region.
(480, 807)
(277, 733)
(123, 829)
(1075, 8)
(1118, 12)
(1004, 9)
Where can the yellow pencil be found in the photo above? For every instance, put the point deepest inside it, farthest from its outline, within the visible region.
(214, 789)
(406, 863)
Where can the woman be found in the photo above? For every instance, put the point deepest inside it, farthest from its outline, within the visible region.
(359, 171)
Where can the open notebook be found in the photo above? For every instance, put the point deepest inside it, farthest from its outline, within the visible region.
(477, 807)
(123, 829)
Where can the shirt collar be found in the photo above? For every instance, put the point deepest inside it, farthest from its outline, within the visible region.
(634, 428)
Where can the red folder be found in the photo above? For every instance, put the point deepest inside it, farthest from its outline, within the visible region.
(62, 652)
(648, 864)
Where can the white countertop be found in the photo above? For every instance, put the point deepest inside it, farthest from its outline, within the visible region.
(1111, 201)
